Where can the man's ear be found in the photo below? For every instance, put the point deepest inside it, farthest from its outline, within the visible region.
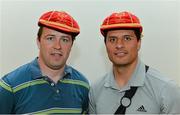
(139, 44)
(38, 42)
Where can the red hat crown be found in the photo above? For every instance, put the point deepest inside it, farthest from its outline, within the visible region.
(120, 20)
(59, 20)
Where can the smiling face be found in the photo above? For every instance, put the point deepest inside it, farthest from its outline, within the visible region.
(54, 48)
(122, 47)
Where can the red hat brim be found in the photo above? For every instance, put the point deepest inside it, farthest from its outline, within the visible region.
(59, 26)
(119, 26)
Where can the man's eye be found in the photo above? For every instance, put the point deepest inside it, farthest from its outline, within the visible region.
(65, 40)
(50, 38)
(127, 38)
(112, 39)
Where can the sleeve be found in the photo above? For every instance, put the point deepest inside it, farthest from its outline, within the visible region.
(170, 99)
(92, 108)
(85, 103)
(6, 98)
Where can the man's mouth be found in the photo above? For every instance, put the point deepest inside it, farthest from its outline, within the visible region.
(120, 53)
(57, 54)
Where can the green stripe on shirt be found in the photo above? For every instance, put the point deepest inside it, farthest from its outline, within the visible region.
(29, 83)
(5, 86)
(76, 82)
(59, 110)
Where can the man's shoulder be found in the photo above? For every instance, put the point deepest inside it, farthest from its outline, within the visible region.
(100, 82)
(76, 74)
(14, 77)
(98, 87)
(157, 76)
(163, 87)
(159, 81)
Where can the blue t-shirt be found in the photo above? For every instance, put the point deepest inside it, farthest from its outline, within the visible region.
(25, 90)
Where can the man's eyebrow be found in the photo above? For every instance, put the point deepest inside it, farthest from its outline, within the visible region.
(66, 36)
(49, 35)
(112, 36)
(129, 36)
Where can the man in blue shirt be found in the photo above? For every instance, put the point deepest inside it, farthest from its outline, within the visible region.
(47, 84)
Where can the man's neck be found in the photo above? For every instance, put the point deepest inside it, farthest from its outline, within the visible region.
(53, 74)
(124, 73)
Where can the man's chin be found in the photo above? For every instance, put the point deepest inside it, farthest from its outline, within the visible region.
(120, 63)
(56, 67)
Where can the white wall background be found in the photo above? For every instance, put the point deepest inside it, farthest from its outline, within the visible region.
(0, 41)
(160, 45)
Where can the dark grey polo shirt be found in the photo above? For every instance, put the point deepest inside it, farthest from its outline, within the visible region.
(155, 94)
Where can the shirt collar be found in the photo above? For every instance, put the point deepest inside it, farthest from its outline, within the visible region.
(138, 76)
(37, 74)
(67, 71)
(35, 69)
(110, 81)
(137, 79)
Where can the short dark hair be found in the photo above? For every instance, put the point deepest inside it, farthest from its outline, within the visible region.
(41, 30)
(136, 31)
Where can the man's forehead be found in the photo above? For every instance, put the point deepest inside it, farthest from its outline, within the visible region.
(54, 32)
(118, 32)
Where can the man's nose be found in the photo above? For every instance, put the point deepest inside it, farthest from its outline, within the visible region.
(57, 44)
(119, 43)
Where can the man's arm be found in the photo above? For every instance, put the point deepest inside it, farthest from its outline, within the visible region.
(171, 99)
(92, 105)
(6, 98)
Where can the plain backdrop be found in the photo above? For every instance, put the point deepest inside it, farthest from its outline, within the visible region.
(160, 44)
